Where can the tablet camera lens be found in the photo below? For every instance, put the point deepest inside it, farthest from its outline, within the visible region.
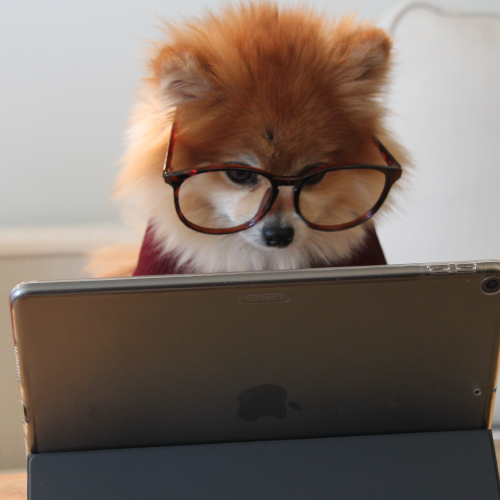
(490, 285)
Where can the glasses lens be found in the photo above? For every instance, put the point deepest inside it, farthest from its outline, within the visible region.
(338, 197)
(224, 200)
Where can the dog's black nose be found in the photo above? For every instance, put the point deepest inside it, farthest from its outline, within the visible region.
(278, 236)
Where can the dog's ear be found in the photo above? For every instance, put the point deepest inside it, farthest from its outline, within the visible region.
(366, 51)
(183, 76)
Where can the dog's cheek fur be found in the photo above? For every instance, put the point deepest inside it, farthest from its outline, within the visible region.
(181, 77)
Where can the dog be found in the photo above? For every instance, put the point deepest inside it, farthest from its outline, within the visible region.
(278, 91)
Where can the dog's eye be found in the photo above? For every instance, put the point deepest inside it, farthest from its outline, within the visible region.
(314, 179)
(242, 177)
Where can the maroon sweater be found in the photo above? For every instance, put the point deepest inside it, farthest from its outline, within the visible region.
(152, 262)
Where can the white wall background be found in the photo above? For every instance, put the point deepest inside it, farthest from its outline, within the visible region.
(68, 74)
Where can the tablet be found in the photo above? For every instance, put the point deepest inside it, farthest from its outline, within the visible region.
(187, 359)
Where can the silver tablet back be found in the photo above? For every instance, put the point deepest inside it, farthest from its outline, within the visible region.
(199, 359)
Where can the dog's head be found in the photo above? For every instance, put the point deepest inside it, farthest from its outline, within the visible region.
(281, 91)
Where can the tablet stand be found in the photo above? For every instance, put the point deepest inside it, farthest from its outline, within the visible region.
(429, 466)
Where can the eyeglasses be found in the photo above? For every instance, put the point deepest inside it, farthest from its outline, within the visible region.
(223, 199)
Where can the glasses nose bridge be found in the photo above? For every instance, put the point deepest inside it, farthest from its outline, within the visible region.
(282, 200)
(284, 181)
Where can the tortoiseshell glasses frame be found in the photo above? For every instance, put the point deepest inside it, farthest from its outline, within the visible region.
(176, 178)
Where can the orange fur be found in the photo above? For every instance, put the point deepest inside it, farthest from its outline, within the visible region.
(113, 261)
(285, 86)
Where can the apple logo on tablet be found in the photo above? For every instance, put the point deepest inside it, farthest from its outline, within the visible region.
(264, 400)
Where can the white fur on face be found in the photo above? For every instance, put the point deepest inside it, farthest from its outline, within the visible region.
(243, 159)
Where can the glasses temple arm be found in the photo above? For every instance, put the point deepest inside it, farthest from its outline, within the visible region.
(167, 166)
(389, 159)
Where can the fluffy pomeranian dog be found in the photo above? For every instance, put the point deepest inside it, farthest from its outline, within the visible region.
(258, 89)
